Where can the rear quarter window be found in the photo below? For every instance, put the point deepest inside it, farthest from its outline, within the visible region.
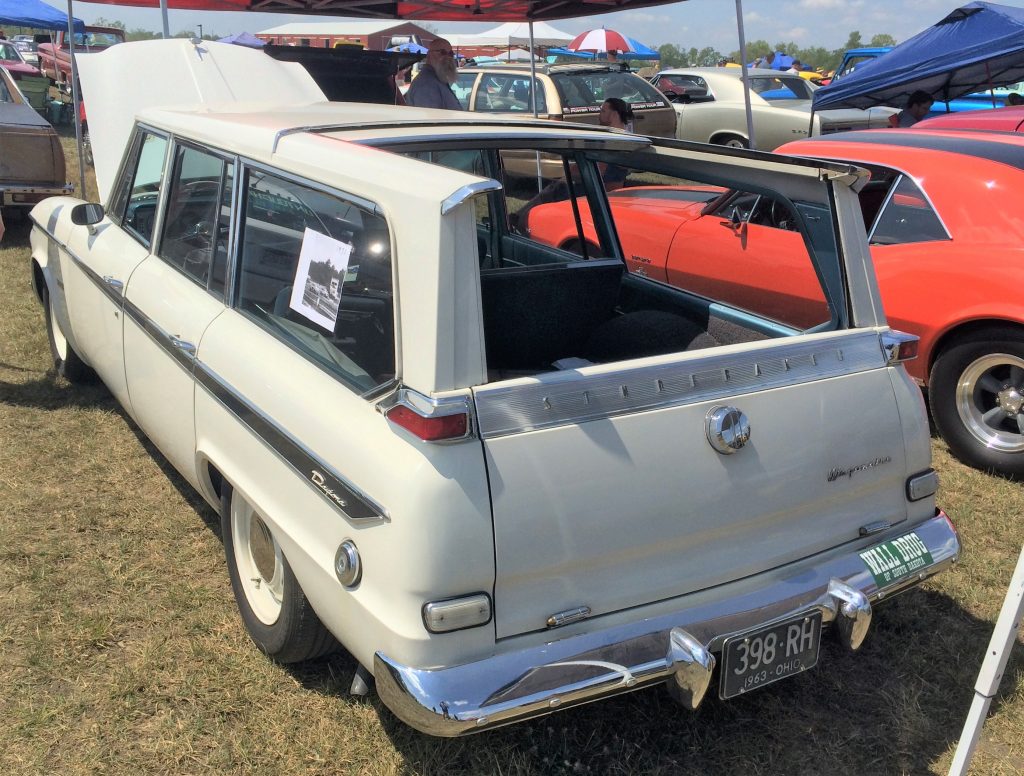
(907, 217)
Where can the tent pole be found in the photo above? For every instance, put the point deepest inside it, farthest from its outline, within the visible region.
(533, 73)
(76, 101)
(163, 16)
(752, 143)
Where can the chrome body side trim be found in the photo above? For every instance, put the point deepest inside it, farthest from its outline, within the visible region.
(337, 491)
(466, 193)
(112, 288)
(517, 684)
(566, 398)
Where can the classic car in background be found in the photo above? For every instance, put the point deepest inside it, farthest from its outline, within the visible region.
(27, 47)
(572, 92)
(508, 477)
(711, 107)
(55, 55)
(943, 221)
(1010, 119)
(30, 81)
(31, 156)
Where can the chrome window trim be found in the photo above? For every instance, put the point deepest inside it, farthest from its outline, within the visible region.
(466, 193)
(161, 195)
(569, 398)
(347, 499)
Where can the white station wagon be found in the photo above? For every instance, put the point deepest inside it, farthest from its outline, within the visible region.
(507, 477)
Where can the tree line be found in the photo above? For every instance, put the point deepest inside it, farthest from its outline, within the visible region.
(811, 57)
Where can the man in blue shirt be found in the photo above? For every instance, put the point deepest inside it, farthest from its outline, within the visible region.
(432, 88)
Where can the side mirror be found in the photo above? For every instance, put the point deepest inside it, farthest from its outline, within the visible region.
(87, 214)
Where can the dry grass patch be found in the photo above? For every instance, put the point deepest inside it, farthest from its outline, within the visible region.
(121, 651)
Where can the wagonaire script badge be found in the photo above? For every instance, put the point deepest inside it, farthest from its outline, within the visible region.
(837, 474)
(321, 482)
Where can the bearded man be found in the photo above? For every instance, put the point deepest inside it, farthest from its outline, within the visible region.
(432, 88)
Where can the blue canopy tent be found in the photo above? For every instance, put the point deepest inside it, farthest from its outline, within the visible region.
(35, 14)
(638, 51)
(976, 47)
(244, 39)
(781, 61)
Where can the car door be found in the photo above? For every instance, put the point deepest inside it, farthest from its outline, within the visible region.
(173, 296)
(101, 259)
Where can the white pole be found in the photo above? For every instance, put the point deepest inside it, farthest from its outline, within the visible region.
(163, 15)
(743, 73)
(1003, 638)
(76, 99)
(533, 73)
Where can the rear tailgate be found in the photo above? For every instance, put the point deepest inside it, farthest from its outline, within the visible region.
(607, 494)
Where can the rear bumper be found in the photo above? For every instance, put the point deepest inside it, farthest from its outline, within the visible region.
(27, 195)
(673, 648)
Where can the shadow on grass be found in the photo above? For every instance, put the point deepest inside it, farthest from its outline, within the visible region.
(48, 393)
(896, 706)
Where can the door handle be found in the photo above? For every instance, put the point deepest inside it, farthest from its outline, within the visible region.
(184, 346)
(117, 285)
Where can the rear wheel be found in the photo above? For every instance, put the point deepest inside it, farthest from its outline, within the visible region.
(66, 361)
(977, 400)
(275, 611)
(731, 141)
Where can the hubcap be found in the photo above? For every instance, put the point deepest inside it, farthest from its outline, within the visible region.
(259, 561)
(990, 399)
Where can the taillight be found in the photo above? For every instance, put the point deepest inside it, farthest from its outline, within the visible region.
(899, 346)
(432, 420)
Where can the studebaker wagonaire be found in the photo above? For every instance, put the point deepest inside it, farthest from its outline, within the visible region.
(507, 477)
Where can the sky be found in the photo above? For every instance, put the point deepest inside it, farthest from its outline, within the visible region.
(694, 23)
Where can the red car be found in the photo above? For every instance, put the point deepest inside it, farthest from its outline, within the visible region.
(1010, 119)
(943, 216)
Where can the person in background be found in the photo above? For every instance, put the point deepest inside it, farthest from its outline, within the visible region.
(918, 105)
(795, 68)
(613, 55)
(1014, 98)
(432, 88)
(616, 113)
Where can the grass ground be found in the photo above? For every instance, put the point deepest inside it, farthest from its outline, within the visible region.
(121, 650)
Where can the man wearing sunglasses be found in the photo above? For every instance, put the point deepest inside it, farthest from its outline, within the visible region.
(432, 88)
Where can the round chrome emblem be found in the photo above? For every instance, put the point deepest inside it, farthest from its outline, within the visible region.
(728, 429)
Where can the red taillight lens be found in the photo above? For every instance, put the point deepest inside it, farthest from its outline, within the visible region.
(907, 350)
(899, 346)
(429, 429)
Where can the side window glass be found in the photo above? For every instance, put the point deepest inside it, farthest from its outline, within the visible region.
(546, 201)
(144, 192)
(907, 218)
(508, 93)
(463, 88)
(316, 272)
(196, 225)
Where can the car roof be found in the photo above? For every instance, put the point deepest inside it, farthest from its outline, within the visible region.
(546, 69)
(727, 72)
(255, 130)
(1002, 147)
(1007, 119)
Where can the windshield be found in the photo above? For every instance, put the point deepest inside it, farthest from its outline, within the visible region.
(9, 53)
(584, 92)
(90, 39)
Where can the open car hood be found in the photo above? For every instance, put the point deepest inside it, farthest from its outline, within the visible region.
(177, 73)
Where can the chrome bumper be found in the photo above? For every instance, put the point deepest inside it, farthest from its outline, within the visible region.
(673, 648)
(27, 195)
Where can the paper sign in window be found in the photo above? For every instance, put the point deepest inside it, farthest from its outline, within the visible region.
(316, 292)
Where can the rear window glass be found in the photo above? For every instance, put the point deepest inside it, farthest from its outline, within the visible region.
(781, 88)
(584, 92)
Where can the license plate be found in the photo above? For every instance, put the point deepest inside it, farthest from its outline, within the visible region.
(768, 654)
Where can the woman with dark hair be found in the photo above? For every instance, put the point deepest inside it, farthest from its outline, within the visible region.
(616, 113)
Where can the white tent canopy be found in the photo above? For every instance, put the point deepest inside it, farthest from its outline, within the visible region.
(515, 34)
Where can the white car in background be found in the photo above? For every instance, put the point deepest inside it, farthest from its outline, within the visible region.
(711, 109)
(508, 477)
